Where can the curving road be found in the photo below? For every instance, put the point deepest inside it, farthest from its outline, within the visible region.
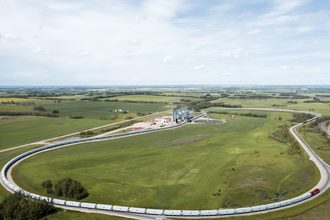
(325, 126)
(138, 213)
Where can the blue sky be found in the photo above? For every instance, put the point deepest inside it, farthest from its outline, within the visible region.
(95, 42)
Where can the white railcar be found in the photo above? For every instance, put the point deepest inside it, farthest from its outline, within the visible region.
(243, 210)
(87, 205)
(258, 208)
(155, 211)
(172, 212)
(209, 212)
(226, 211)
(137, 210)
(72, 203)
(58, 201)
(120, 208)
(190, 213)
(104, 207)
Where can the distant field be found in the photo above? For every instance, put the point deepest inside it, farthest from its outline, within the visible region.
(323, 108)
(152, 98)
(193, 167)
(89, 109)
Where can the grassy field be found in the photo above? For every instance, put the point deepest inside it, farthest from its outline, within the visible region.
(153, 98)
(25, 129)
(193, 167)
(101, 109)
(319, 142)
(322, 108)
(15, 131)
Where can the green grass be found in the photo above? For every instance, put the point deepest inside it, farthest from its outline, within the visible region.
(70, 215)
(318, 141)
(26, 129)
(15, 131)
(322, 108)
(183, 168)
(89, 109)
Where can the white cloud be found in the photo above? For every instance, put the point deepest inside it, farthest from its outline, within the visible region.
(284, 67)
(9, 36)
(167, 59)
(127, 41)
(199, 67)
(36, 50)
(84, 52)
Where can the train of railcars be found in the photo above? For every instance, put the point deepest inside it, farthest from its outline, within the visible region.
(136, 210)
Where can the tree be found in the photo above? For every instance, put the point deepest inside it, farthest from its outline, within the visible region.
(39, 108)
(48, 186)
(56, 111)
(70, 188)
(17, 206)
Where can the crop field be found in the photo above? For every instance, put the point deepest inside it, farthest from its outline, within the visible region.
(153, 98)
(192, 167)
(89, 109)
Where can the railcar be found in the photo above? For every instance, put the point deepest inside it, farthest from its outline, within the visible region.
(209, 212)
(173, 212)
(137, 210)
(118, 208)
(226, 211)
(243, 210)
(72, 203)
(104, 207)
(155, 211)
(88, 205)
(258, 208)
(58, 201)
(190, 212)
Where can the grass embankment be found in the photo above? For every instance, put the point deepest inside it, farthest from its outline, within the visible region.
(193, 167)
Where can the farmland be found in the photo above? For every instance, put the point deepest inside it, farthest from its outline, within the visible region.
(238, 159)
(243, 164)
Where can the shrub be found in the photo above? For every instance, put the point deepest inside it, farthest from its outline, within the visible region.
(48, 186)
(39, 108)
(70, 188)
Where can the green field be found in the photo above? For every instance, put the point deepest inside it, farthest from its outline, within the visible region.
(153, 98)
(26, 129)
(319, 142)
(15, 131)
(193, 167)
(89, 109)
(323, 108)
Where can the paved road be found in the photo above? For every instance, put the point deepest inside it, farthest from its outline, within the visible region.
(323, 184)
(325, 126)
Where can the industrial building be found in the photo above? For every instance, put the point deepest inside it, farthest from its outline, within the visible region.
(182, 115)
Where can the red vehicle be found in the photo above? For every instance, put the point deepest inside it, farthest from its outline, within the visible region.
(314, 191)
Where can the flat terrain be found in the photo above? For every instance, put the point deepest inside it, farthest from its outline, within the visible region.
(193, 167)
(153, 98)
(323, 108)
(17, 130)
